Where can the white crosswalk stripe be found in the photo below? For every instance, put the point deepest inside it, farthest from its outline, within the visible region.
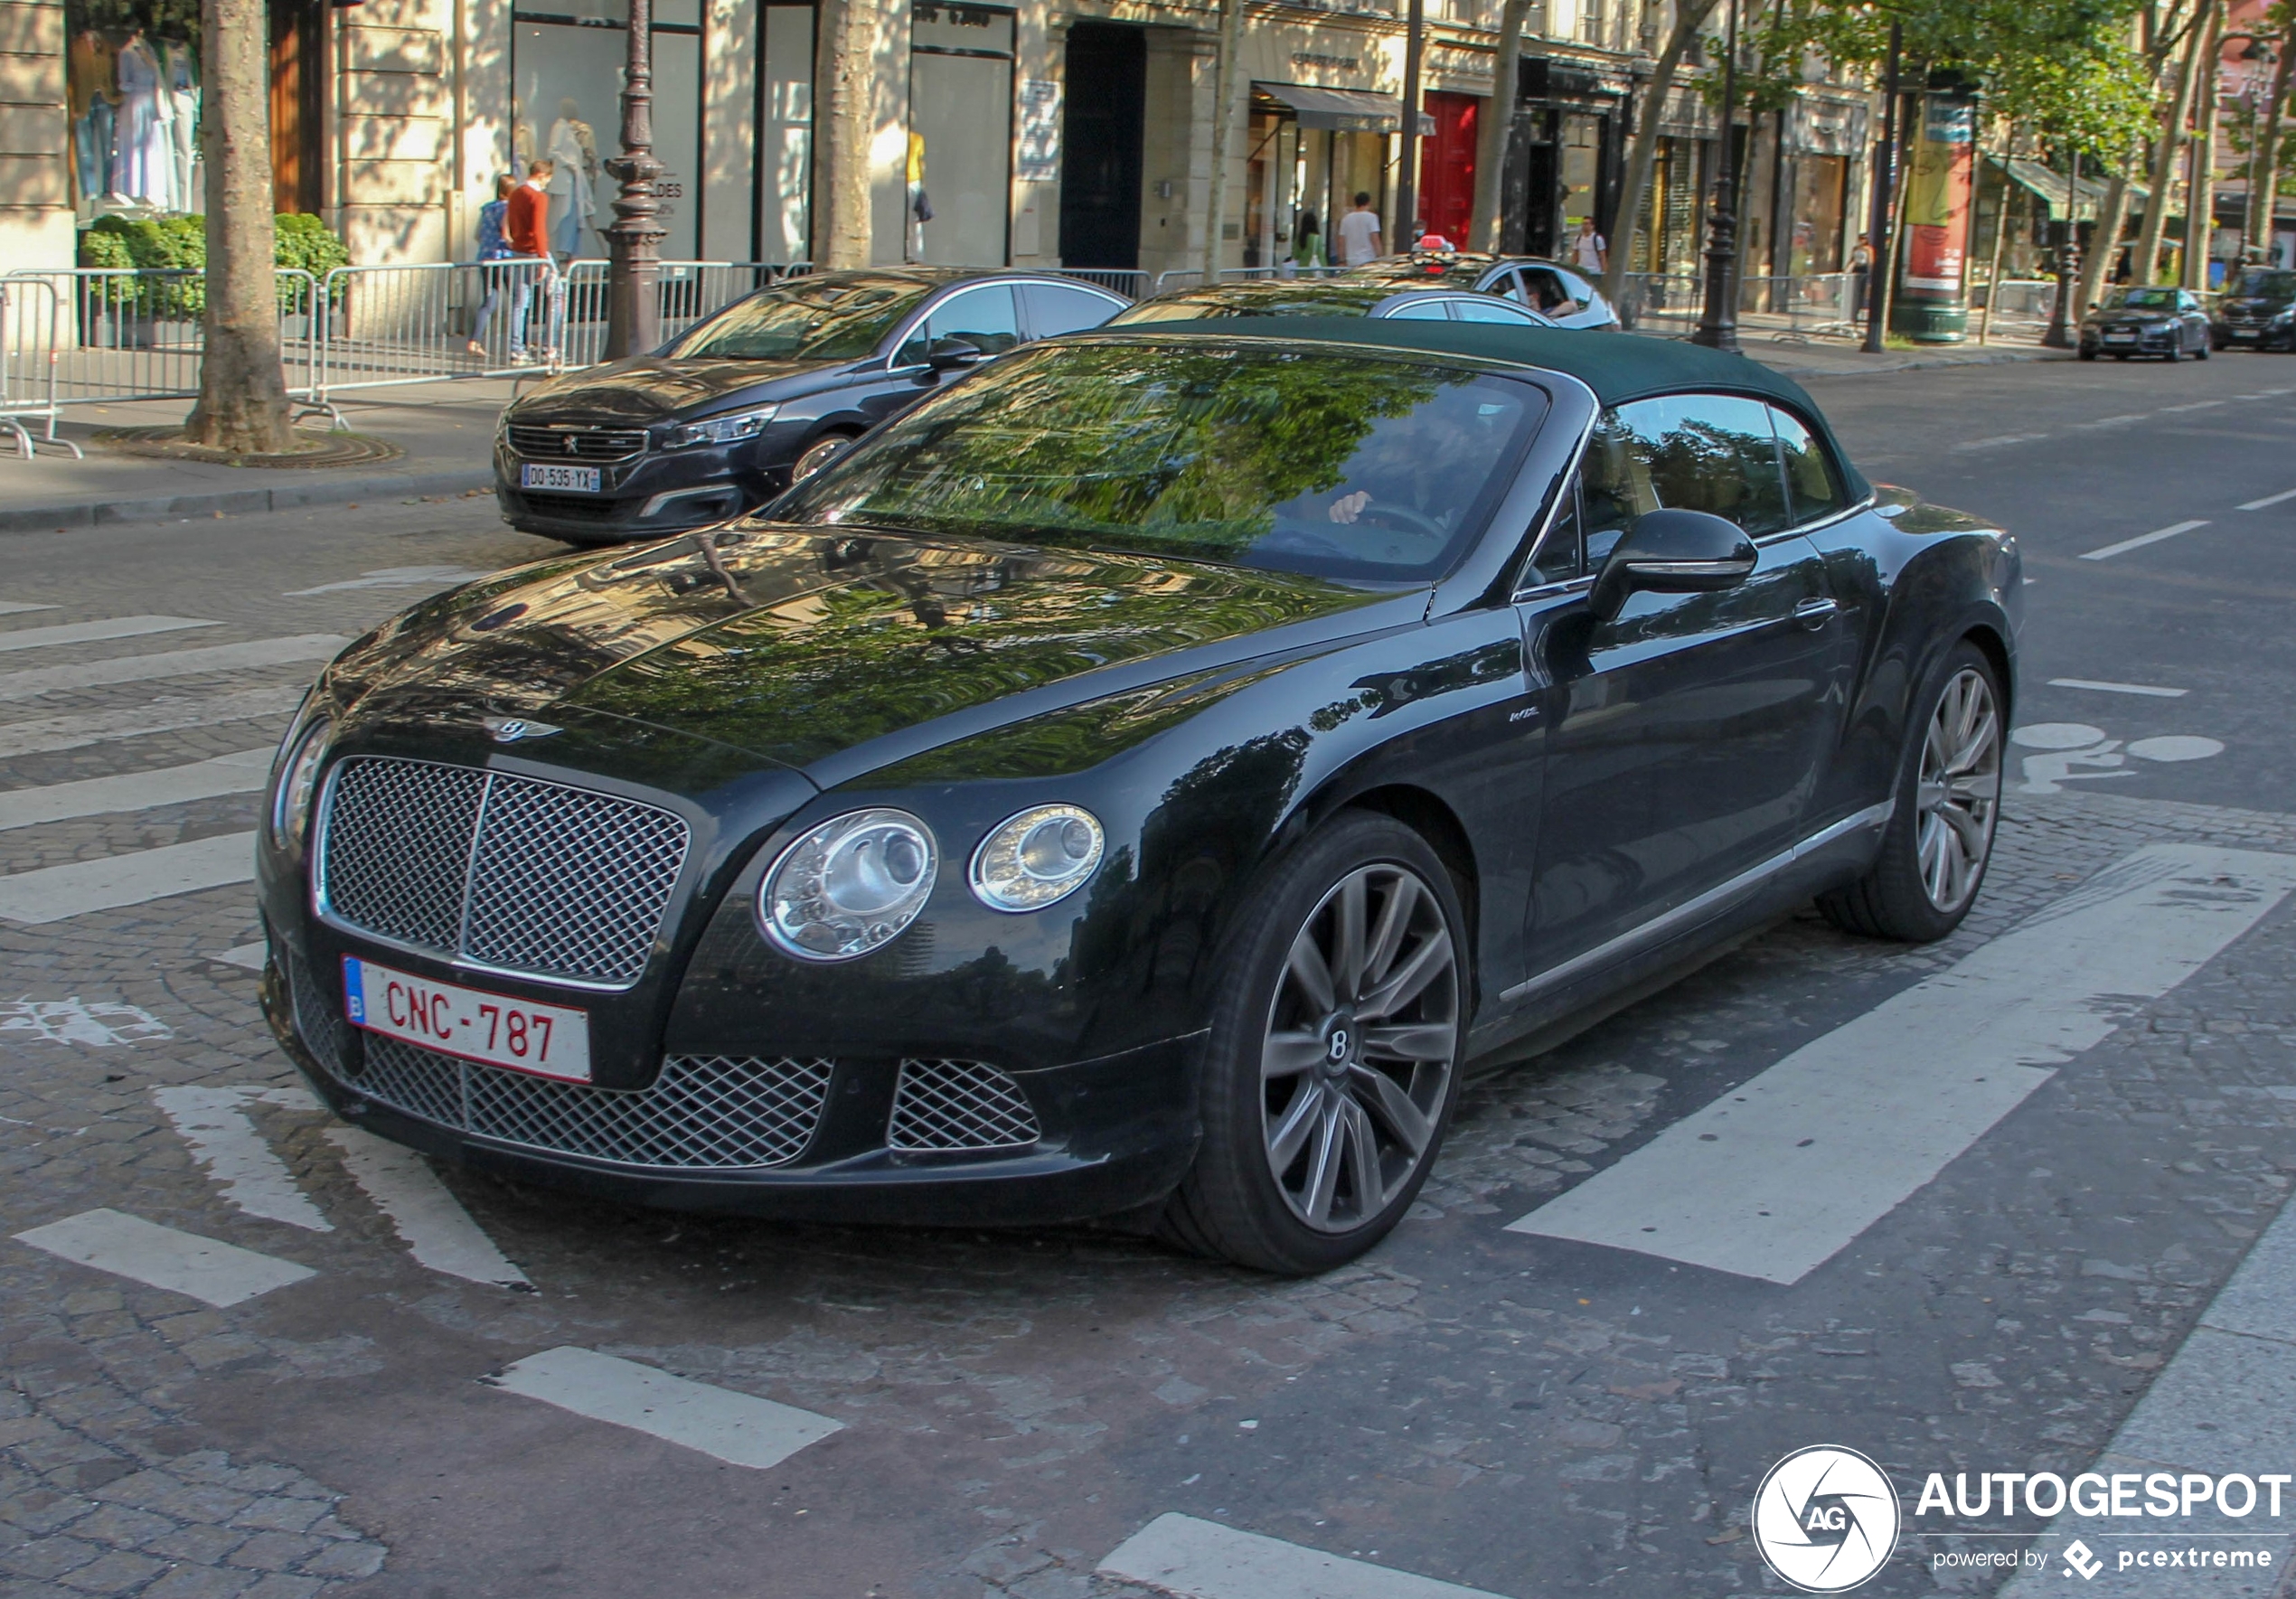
(135, 791)
(439, 1232)
(92, 633)
(737, 1428)
(165, 664)
(1775, 1178)
(47, 735)
(56, 893)
(246, 1168)
(10, 608)
(1199, 1559)
(207, 1269)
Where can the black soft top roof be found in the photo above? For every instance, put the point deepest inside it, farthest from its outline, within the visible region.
(1617, 366)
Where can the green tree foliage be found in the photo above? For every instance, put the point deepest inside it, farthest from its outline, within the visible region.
(179, 244)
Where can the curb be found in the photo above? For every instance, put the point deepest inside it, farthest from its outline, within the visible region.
(2005, 358)
(87, 513)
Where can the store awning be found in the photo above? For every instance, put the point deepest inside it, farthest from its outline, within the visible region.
(2052, 186)
(1343, 110)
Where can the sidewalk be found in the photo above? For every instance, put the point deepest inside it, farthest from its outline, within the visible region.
(447, 430)
(1808, 355)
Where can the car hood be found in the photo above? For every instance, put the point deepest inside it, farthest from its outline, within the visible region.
(832, 652)
(2257, 303)
(2131, 318)
(652, 389)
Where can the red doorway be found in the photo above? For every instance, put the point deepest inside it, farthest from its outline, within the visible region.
(1447, 166)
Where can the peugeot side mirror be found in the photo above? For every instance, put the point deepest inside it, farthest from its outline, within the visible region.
(948, 354)
(1673, 552)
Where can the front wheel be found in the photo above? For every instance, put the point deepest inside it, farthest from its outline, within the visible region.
(1940, 837)
(817, 454)
(1334, 1055)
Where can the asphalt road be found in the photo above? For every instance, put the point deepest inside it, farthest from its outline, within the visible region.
(1994, 1259)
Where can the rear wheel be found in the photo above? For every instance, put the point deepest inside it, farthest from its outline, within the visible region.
(1940, 837)
(1333, 1059)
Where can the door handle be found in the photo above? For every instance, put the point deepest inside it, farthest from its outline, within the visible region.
(1813, 613)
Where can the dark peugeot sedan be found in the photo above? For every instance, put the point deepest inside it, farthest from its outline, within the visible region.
(1134, 784)
(1328, 296)
(2166, 322)
(2258, 308)
(728, 414)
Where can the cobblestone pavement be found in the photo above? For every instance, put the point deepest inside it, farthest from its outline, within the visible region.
(1518, 1414)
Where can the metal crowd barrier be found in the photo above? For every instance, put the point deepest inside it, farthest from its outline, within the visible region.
(2016, 299)
(684, 293)
(124, 333)
(1123, 280)
(30, 324)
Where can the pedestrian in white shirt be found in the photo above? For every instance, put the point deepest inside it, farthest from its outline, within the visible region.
(1359, 234)
(1593, 249)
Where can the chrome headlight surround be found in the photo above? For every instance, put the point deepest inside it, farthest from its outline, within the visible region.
(730, 428)
(1037, 857)
(849, 885)
(294, 780)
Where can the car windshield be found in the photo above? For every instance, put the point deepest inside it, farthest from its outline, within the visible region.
(1290, 299)
(839, 317)
(1327, 463)
(2266, 284)
(2142, 299)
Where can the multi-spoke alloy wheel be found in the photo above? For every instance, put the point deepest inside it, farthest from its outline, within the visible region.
(1360, 1037)
(1960, 790)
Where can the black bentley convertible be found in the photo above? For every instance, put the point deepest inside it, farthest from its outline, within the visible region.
(1137, 783)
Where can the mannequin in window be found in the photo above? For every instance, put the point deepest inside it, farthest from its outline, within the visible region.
(92, 90)
(143, 161)
(573, 146)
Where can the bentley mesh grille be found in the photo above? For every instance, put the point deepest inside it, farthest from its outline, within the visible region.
(940, 1106)
(522, 875)
(314, 1017)
(703, 1112)
(576, 444)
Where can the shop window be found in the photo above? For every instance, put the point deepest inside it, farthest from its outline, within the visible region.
(785, 134)
(133, 92)
(960, 158)
(566, 75)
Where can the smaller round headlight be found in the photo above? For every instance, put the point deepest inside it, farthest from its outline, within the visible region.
(1043, 855)
(848, 886)
(298, 775)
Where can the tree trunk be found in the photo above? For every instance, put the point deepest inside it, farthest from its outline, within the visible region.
(242, 392)
(846, 71)
(2104, 244)
(2263, 169)
(1227, 81)
(2146, 264)
(2200, 193)
(2000, 230)
(1499, 118)
(1643, 154)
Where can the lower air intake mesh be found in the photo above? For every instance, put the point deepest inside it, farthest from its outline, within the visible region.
(941, 1106)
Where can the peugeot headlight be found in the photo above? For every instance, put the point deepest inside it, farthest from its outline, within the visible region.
(730, 428)
(294, 779)
(849, 885)
(1043, 855)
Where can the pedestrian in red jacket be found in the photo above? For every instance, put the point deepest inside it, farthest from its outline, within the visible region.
(526, 225)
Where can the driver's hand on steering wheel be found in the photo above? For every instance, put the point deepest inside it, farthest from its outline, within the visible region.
(1347, 507)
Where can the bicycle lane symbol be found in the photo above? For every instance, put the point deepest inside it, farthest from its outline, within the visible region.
(2075, 752)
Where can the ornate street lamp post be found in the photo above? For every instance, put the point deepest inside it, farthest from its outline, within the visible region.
(633, 240)
(2059, 335)
(1718, 321)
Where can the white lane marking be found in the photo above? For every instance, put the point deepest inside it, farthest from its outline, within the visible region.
(1773, 1179)
(54, 893)
(1204, 1560)
(166, 715)
(75, 1021)
(439, 1232)
(215, 1122)
(2106, 688)
(10, 608)
(135, 791)
(393, 578)
(2119, 421)
(2000, 441)
(249, 955)
(2268, 501)
(739, 1429)
(2142, 540)
(2198, 405)
(93, 633)
(207, 1269)
(136, 669)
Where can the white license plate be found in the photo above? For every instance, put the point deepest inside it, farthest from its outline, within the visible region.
(2109, 338)
(582, 480)
(549, 1040)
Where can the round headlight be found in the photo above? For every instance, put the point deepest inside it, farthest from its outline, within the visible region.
(298, 774)
(849, 885)
(1041, 855)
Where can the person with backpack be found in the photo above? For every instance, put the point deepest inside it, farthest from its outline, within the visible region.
(493, 245)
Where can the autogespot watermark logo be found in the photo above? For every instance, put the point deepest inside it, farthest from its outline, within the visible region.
(1826, 1519)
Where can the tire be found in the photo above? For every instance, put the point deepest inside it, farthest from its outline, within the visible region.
(2119, 355)
(2173, 353)
(1909, 893)
(2203, 352)
(817, 454)
(1321, 1115)
(2087, 354)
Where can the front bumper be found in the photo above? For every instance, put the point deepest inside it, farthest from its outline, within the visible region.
(648, 496)
(1111, 1134)
(2149, 341)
